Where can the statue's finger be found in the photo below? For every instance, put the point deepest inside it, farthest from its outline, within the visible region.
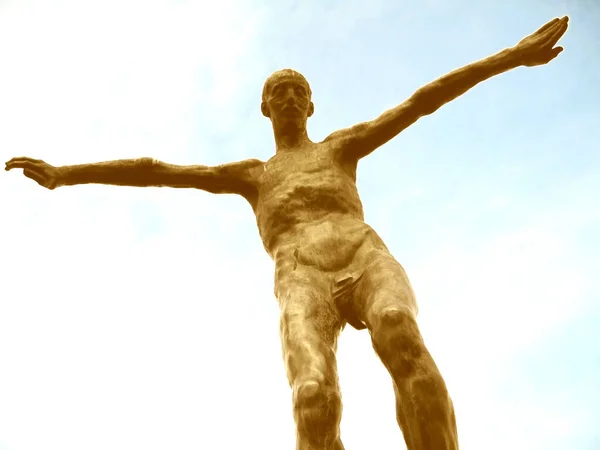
(9, 164)
(553, 28)
(548, 25)
(20, 164)
(36, 176)
(563, 29)
(555, 52)
(556, 34)
(14, 165)
(22, 159)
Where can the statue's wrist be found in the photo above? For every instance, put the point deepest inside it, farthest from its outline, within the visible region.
(516, 56)
(62, 176)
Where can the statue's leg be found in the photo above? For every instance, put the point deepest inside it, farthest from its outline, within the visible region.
(386, 303)
(309, 329)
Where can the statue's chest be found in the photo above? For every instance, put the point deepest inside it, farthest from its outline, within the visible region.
(283, 172)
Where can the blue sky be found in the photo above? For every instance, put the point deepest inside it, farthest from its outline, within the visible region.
(145, 318)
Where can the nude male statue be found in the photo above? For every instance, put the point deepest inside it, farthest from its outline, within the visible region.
(331, 268)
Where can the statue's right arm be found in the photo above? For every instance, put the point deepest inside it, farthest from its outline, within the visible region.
(231, 178)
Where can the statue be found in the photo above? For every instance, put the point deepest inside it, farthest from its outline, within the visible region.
(331, 268)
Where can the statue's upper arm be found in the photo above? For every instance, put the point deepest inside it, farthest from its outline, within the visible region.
(241, 177)
(362, 139)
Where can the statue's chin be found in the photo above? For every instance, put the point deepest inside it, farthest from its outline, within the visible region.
(291, 123)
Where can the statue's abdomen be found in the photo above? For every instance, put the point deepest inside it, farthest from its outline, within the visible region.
(288, 205)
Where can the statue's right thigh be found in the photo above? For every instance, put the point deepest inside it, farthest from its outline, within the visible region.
(309, 328)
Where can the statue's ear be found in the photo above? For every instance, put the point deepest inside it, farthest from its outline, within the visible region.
(311, 109)
(264, 109)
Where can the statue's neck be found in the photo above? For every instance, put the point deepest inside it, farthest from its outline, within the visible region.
(291, 139)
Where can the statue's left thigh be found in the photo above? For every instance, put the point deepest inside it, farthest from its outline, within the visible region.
(384, 286)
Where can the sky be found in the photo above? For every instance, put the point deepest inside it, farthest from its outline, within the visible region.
(145, 317)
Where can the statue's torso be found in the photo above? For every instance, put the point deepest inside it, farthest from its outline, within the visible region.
(308, 204)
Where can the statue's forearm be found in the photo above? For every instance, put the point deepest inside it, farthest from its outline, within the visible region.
(124, 172)
(433, 95)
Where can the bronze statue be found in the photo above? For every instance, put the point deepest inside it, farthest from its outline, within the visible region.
(331, 268)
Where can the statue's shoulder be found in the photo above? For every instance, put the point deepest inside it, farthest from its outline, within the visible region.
(340, 143)
(244, 166)
(251, 169)
(340, 136)
(245, 171)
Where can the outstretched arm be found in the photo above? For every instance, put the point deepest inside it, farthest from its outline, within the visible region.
(231, 178)
(536, 49)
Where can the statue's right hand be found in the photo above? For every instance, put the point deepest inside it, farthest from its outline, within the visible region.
(41, 172)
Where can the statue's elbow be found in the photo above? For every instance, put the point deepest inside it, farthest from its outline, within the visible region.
(147, 163)
(147, 171)
(426, 101)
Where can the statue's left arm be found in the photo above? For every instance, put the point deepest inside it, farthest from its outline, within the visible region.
(537, 49)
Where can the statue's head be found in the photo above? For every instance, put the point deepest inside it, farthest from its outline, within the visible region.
(286, 98)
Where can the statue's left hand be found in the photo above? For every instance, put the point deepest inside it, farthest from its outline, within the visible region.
(538, 48)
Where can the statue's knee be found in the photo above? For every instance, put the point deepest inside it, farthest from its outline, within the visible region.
(307, 393)
(317, 409)
(395, 324)
(396, 337)
(312, 394)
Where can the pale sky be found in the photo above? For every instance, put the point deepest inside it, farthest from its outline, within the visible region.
(145, 318)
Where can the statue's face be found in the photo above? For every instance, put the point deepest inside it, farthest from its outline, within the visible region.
(287, 100)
